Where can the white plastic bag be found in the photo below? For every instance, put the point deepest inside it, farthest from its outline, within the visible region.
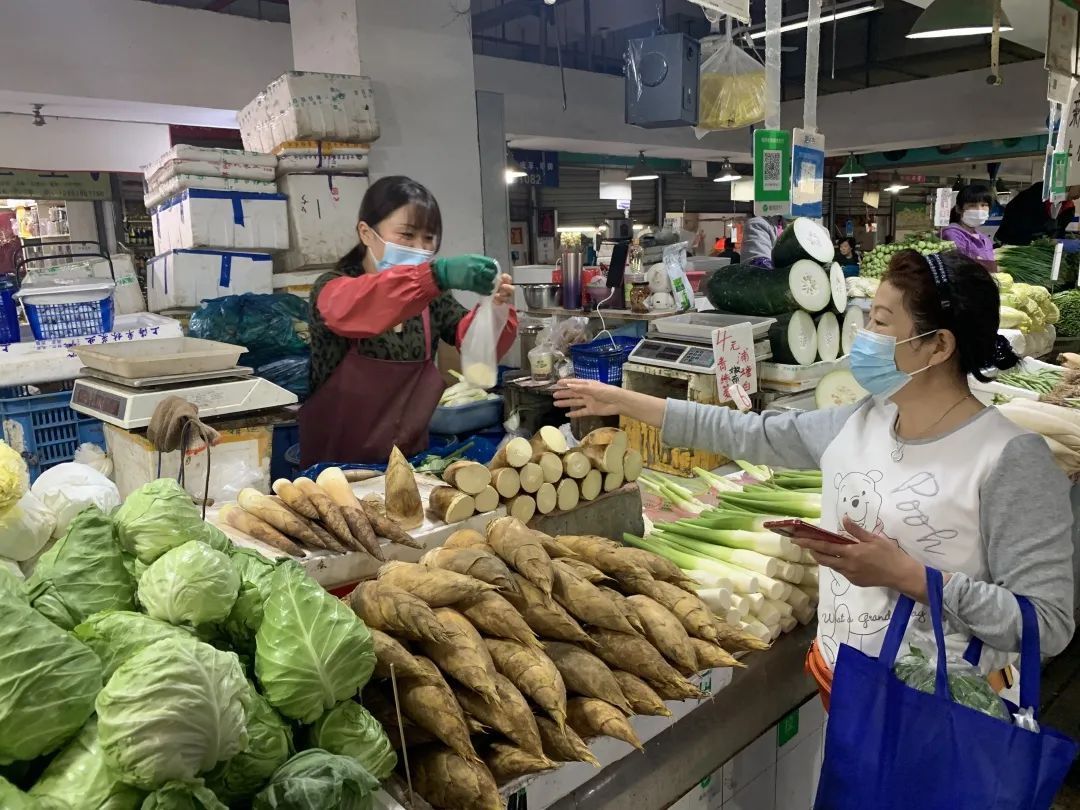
(67, 489)
(94, 457)
(732, 90)
(479, 347)
(25, 528)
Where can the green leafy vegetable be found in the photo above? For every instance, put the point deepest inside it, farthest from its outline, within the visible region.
(256, 572)
(48, 682)
(183, 796)
(349, 729)
(10, 582)
(316, 780)
(173, 711)
(11, 798)
(157, 517)
(116, 635)
(311, 651)
(192, 584)
(79, 777)
(82, 574)
(968, 686)
(269, 745)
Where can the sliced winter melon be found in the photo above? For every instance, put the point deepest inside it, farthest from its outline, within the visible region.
(839, 287)
(794, 339)
(828, 336)
(854, 320)
(838, 388)
(803, 239)
(745, 289)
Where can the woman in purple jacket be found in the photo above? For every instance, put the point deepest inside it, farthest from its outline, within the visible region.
(971, 211)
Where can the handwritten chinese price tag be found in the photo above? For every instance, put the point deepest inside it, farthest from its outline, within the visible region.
(736, 366)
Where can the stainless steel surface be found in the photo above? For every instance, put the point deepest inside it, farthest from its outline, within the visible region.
(527, 336)
(170, 379)
(678, 758)
(571, 280)
(541, 296)
(699, 325)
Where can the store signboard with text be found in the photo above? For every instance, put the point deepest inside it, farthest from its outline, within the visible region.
(807, 173)
(772, 172)
(542, 167)
(24, 184)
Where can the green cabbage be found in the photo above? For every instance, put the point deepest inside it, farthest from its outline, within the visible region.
(183, 796)
(311, 651)
(11, 583)
(349, 729)
(256, 572)
(214, 537)
(78, 777)
(173, 711)
(48, 682)
(11, 798)
(157, 517)
(269, 745)
(82, 574)
(192, 584)
(116, 635)
(317, 780)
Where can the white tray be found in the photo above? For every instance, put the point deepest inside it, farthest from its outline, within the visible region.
(183, 355)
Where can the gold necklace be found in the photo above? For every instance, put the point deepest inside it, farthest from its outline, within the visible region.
(899, 444)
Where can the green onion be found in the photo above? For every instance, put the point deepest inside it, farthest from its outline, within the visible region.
(795, 504)
(758, 473)
(767, 543)
(750, 560)
(689, 561)
(717, 482)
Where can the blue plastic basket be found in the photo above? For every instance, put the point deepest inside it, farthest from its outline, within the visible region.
(602, 359)
(9, 313)
(54, 321)
(43, 428)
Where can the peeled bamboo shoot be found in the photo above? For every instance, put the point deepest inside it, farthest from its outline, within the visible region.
(531, 476)
(576, 464)
(548, 440)
(506, 481)
(523, 507)
(569, 494)
(468, 476)
(486, 499)
(591, 485)
(546, 499)
(515, 453)
(631, 465)
(451, 505)
(552, 466)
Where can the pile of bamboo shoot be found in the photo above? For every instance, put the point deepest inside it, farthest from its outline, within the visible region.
(542, 475)
(508, 650)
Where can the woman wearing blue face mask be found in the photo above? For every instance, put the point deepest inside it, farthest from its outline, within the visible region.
(376, 322)
(971, 211)
(920, 473)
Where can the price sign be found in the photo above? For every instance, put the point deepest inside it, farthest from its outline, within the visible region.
(736, 365)
(944, 199)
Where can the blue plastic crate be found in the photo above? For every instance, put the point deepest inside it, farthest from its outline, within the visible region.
(55, 321)
(9, 313)
(602, 359)
(43, 428)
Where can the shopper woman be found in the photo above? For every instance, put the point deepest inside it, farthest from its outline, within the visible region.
(376, 322)
(920, 473)
(970, 212)
(848, 257)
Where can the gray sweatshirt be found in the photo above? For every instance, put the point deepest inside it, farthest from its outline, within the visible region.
(985, 503)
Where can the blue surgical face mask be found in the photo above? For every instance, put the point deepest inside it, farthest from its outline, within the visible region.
(395, 255)
(873, 363)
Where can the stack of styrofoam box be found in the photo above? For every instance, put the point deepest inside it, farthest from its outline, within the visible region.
(214, 212)
(319, 126)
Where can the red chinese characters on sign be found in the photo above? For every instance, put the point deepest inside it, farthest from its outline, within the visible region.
(736, 365)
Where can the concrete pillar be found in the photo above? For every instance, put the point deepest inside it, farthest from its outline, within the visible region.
(496, 203)
(419, 56)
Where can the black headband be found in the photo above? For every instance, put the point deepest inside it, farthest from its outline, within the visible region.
(942, 281)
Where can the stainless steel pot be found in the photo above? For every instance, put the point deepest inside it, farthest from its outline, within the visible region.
(541, 296)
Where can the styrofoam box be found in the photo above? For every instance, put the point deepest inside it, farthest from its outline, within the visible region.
(207, 162)
(185, 278)
(224, 220)
(322, 216)
(157, 193)
(299, 283)
(336, 162)
(304, 106)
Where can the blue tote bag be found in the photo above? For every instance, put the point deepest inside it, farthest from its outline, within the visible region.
(889, 746)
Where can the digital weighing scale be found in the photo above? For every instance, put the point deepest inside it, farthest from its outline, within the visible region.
(684, 342)
(130, 403)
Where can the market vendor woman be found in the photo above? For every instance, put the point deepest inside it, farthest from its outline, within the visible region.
(376, 322)
(970, 212)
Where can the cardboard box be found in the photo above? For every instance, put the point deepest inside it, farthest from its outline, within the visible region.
(223, 220)
(184, 278)
(322, 217)
(304, 106)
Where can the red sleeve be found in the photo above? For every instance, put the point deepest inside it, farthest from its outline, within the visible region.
(506, 339)
(372, 303)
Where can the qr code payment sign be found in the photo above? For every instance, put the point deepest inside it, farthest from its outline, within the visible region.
(773, 164)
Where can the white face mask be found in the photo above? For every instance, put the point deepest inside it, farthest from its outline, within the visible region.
(974, 217)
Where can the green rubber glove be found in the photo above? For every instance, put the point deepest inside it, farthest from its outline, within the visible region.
(469, 273)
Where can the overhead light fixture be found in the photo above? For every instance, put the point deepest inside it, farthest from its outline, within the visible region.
(957, 18)
(896, 185)
(513, 169)
(727, 173)
(840, 13)
(852, 168)
(641, 170)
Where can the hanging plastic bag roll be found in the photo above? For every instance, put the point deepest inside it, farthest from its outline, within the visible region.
(479, 348)
(732, 89)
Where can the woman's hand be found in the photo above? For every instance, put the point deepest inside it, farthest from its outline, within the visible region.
(874, 561)
(588, 398)
(505, 293)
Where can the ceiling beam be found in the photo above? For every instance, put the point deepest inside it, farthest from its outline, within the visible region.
(218, 5)
(508, 12)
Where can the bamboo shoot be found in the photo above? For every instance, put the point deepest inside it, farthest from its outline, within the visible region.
(403, 504)
(486, 499)
(576, 464)
(531, 477)
(515, 453)
(523, 507)
(552, 466)
(506, 481)
(468, 476)
(546, 499)
(569, 494)
(451, 505)
(591, 485)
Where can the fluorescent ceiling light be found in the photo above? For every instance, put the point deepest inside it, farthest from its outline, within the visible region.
(843, 14)
(957, 18)
(727, 174)
(896, 185)
(852, 168)
(641, 170)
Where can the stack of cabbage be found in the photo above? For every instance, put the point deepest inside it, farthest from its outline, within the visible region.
(1027, 307)
(148, 664)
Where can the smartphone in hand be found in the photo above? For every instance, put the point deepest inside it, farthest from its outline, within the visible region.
(795, 528)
